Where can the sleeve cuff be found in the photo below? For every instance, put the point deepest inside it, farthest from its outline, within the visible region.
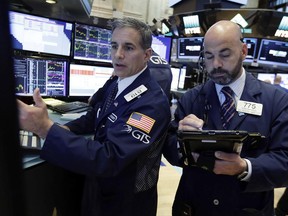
(248, 173)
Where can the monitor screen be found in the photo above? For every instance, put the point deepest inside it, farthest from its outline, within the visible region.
(85, 80)
(266, 77)
(182, 76)
(39, 34)
(162, 46)
(92, 43)
(252, 49)
(191, 24)
(49, 75)
(274, 53)
(189, 48)
(175, 78)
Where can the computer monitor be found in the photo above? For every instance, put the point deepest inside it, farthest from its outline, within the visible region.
(162, 46)
(48, 74)
(252, 49)
(92, 43)
(191, 24)
(266, 77)
(175, 77)
(85, 80)
(182, 76)
(282, 30)
(40, 34)
(189, 48)
(273, 53)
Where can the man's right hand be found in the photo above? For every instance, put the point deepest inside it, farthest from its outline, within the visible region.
(34, 118)
(191, 122)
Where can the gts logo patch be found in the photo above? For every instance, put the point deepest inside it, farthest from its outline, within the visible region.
(137, 134)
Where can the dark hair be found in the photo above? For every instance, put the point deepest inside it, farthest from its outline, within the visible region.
(143, 29)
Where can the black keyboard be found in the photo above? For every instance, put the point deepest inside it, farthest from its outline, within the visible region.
(71, 107)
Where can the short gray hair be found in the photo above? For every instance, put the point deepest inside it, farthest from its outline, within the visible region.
(143, 29)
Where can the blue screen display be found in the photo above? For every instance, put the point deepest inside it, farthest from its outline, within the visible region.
(162, 46)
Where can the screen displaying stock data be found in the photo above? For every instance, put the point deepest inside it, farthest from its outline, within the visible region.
(92, 43)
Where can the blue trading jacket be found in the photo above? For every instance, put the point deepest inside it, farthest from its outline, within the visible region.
(121, 164)
(215, 195)
(161, 71)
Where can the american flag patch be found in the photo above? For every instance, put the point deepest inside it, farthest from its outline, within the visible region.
(141, 121)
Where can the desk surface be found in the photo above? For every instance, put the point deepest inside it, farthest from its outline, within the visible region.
(30, 160)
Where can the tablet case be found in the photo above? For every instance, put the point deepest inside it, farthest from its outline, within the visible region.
(212, 140)
(207, 142)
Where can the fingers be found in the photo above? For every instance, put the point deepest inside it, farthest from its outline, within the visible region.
(38, 99)
(191, 122)
(226, 156)
(228, 163)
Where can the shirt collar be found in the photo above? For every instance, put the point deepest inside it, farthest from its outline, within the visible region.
(125, 82)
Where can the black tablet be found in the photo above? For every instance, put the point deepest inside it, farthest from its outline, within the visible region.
(212, 140)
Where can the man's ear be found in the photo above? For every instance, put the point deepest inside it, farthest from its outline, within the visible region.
(148, 54)
(244, 51)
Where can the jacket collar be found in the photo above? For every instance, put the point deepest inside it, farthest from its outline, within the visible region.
(251, 91)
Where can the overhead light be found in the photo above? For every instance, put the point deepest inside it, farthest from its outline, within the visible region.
(51, 1)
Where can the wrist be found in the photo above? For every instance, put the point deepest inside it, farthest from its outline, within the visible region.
(244, 173)
(45, 128)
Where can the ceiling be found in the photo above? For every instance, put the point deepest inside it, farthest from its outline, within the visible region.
(70, 10)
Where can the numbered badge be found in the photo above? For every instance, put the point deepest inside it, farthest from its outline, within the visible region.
(249, 107)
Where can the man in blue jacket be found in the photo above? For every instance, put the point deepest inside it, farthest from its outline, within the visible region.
(234, 184)
(161, 70)
(121, 164)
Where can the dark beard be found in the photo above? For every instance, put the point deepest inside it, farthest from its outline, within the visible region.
(228, 77)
